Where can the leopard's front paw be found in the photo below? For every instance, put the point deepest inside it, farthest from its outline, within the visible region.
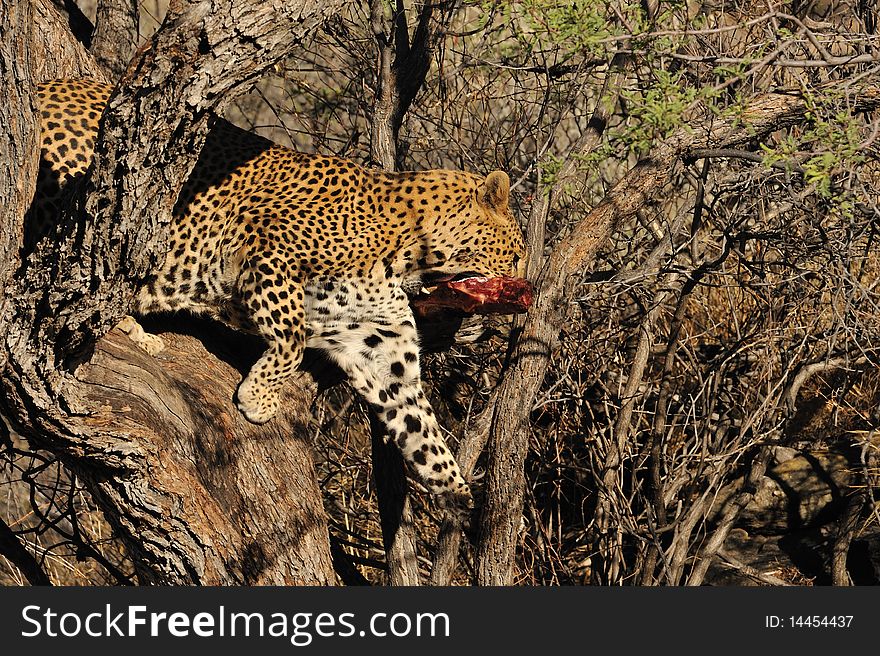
(452, 491)
(462, 498)
(459, 502)
(150, 343)
(256, 403)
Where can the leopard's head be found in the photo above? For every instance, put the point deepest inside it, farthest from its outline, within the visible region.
(472, 232)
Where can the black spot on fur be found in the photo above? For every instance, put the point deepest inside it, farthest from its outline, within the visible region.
(413, 425)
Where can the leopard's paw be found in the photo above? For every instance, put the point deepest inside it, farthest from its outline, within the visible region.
(152, 344)
(459, 503)
(450, 487)
(256, 403)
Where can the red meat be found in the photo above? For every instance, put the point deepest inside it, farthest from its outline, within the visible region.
(478, 295)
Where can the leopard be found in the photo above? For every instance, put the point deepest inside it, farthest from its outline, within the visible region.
(306, 250)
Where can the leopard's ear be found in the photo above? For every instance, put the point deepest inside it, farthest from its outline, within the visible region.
(495, 190)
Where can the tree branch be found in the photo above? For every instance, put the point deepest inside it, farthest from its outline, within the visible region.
(505, 482)
(402, 67)
(116, 35)
(12, 548)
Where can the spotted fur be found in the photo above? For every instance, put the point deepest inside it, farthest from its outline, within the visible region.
(307, 250)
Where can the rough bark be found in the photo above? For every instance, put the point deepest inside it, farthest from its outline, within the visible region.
(19, 141)
(116, 35)
(197, 494)
(35, 45)
(509, 425)
(202, 495)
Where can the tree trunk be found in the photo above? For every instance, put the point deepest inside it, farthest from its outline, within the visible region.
(402, 64)
(116, 35)
(197, 494)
